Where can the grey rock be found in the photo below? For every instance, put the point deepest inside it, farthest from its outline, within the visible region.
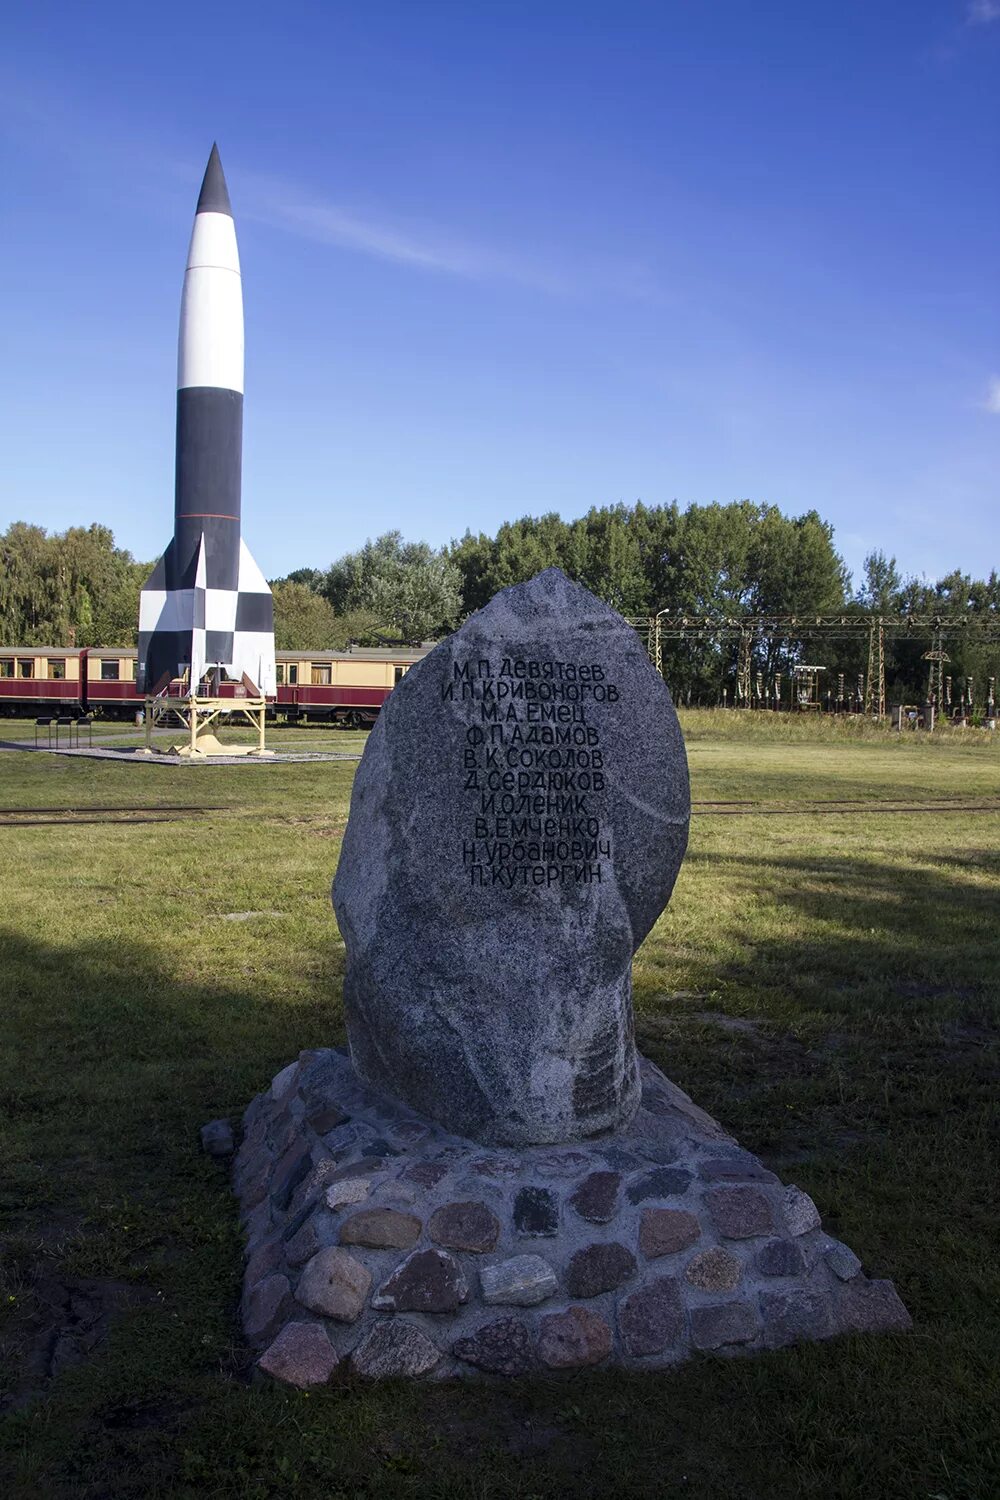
(392, 1349)
(661, 1182)
(488, 985)
(536, 1211)
(348, 1191)
(572, 1339)
(335, 1285)
(266, 1257)
(599, 1268)
(407, 1133)
(713, 1270)
(665, 1231)
(651, 1319)
(217, 1138)
(283, 1083)
(365, 1166)
(872, 1307)
(294, 1166)
(596, 1197)
(727, 1323)
(430, 1281)
(661, 1152)
(560, 1163)
(264, 1308)
(522, 1281)
(308, 1238)
(501, 1348)
(802, 1313)
(780, 1258)
(621, 1160)
(843, 1262)
(464, 1226)
(324, 1118)
(740, 1213)
(301, 1355)
(801, 1213)
(381, 1229)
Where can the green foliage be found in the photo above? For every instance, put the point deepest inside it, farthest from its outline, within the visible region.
(303, 619)
(406, 586)
(74, 588)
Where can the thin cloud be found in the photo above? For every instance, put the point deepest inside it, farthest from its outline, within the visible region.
(429, 248)
(420, 246)
(982, 12)
(992, 402)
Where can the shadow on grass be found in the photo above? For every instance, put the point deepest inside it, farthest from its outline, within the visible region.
(853, 935)
(113, 1066)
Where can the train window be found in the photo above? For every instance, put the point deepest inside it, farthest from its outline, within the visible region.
(7, 666)
(293, 673)
(398, 677)
(279, 673)
(109, 670)
(25, 666)
(321, 673)
(57, 670)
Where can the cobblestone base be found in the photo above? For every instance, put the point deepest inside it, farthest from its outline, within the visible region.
(379, 1243)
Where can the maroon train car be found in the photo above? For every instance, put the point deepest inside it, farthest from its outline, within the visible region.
(40, 679)
(341, 687)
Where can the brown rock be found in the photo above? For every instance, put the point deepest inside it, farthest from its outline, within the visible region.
(714, 1270)
(665, 1231)
(599, 1268)
(335, 1285)
(652, 1318)
(574, 1338)
(426, 1173)
(465, 1226)
(381, 1229)
(501, 1348)
(428, 1281)
(596, 1197)
(301, 1355)
(739, 1213)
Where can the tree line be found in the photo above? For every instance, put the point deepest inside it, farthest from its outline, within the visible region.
(78, 588)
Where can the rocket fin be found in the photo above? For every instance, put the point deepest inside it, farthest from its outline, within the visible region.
(253, 638)
(171, 626)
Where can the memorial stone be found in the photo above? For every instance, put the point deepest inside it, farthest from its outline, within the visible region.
(492, 1183)
(517, 824)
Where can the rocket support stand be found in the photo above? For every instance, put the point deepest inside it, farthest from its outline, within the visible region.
(198, 714)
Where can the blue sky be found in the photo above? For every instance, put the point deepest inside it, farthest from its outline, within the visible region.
(508, 256)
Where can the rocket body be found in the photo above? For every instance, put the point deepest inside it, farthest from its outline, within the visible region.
(206, 604)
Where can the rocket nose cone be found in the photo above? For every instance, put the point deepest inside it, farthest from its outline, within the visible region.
(214, 195)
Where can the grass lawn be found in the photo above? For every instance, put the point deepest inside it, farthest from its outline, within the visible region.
(825, 981)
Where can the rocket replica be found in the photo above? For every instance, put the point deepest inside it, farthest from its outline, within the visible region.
(206, 604)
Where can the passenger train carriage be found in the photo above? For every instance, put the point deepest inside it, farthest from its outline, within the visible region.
(342, 687)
